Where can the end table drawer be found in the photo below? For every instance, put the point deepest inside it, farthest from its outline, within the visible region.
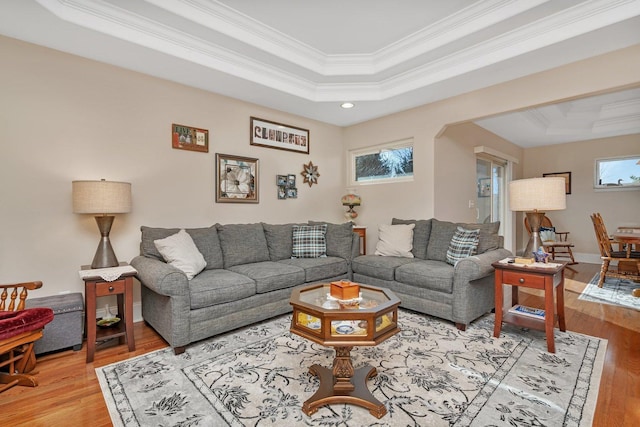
(517, 278)
(110, 288)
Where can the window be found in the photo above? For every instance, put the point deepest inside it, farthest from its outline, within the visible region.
(618, 172)
(391, 162)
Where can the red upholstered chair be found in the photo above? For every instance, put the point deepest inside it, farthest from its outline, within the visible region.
(19, 329)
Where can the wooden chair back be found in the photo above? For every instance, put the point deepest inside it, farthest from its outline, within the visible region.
(16, 300)
(604, 242)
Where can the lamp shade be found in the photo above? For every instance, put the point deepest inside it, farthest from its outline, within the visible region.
(537, 194)
(351, 200)
(101, 197)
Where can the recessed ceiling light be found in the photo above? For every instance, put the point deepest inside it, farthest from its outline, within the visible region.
(347, 105)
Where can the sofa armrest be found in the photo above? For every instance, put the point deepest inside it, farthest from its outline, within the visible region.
(160, 277)
(478, 266)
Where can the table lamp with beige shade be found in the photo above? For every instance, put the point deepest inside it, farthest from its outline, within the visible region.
(535, 196)
(102, 198)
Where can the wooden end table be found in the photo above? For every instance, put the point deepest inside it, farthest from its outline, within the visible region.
(547, 279)
(122, 287)
(321, 319)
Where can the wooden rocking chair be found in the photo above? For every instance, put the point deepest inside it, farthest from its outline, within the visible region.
(20, 328)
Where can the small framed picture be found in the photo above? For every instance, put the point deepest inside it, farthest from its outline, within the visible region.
(281, 180)
(292, 193)
(291, 180)
(236, 179)
(189, 138)
(282, 192)
(484, 187)
(266, 133)
(565, 175)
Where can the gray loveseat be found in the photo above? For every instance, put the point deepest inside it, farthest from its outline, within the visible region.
(427, 283)
(248, 277)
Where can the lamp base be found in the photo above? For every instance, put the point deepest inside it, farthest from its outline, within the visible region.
(104, 257)
(535, 241)
(351, 215)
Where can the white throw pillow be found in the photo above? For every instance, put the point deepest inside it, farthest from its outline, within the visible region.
(180, 251)
(395, 240)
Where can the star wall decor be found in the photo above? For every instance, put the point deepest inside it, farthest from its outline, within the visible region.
(310, 174)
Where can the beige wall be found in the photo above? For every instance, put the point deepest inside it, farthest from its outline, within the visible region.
(64, 118)
(617, 207)
(609, 72)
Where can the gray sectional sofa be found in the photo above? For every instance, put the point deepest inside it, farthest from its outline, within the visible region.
(248, 277)
(427, 283)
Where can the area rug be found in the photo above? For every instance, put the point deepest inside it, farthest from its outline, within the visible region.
(613, 292)
(430, 374)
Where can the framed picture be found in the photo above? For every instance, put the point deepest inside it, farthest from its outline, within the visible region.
(236, 179)
(291, 180)
(292, 193)
(565, 175)
(265, 133)
(282, 192)
(189, 138)
(281, 180)
(484, 187)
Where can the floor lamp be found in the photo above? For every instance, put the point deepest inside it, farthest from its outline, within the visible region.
(102, 198)
(535, 196)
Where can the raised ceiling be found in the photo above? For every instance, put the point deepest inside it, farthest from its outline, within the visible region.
(307, 57)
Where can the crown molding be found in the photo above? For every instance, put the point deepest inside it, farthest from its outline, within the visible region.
(110, 19)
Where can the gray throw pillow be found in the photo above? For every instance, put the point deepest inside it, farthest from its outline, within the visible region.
(441, 234)
(243, 244)
(339, 238)
(421, 234)
(489, 239)
(279, 240)
(205, 239)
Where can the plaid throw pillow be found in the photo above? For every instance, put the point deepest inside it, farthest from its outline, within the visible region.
(463, 244)
(309, 241)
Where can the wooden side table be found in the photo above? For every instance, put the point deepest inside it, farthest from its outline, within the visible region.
(544, 278)
(122, 287)
(362, 231)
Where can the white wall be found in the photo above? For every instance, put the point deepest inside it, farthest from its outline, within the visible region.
(64, 118)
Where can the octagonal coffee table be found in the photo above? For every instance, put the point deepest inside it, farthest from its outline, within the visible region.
(365, 321)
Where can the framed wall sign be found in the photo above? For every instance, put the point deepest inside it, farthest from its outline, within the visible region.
(189, 138)
(236, 179)
(565, 175)
(265, 133)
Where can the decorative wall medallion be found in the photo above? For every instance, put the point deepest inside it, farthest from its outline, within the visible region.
(310, 174)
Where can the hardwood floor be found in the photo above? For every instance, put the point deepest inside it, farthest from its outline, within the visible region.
(69, 393)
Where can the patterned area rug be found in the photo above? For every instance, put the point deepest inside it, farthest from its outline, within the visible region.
(613, 292)
(429, 374)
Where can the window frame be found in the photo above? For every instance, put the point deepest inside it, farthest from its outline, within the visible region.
(612, 187)
(355, 153)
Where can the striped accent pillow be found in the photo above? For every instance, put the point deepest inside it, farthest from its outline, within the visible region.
(464, 243)
(309, 241)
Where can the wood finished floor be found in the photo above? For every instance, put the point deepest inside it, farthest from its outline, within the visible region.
(69, 393)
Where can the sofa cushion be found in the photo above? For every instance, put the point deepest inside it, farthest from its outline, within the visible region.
(242, 244)
(279, 240)
(441, 234)
(339, 238)
(309, 241)
(319, 268)
(427, 274)
(270, 276)
(395, 240)
(421, 234)
(489, 238)
(213, 287)
(380, 267)
(464, 243)
(179, 251)
(206, 240)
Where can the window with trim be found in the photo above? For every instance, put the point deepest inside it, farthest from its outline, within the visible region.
(392, 162)
(617, 172)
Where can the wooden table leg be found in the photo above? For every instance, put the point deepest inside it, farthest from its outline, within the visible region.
(560, 297)
(128, 312)
(90, 319)
(499, 303)
(549, 313)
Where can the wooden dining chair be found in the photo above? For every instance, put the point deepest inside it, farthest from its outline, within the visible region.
(20, 328)
(608, 255)
(558, 248)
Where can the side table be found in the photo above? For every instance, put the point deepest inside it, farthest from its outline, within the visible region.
(362, 231)
(545, 278)
(95, 285)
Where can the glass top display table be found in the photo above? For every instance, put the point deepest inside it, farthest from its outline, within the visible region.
(364, 321)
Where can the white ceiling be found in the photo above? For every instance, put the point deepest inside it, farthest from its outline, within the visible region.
(385, 56)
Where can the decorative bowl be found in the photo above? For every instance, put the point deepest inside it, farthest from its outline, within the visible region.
(108, 323)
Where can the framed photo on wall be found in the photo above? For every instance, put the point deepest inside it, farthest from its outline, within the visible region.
(189, 138)
(484, 187)
(565, 175)
(236, 179)
(265, 133)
